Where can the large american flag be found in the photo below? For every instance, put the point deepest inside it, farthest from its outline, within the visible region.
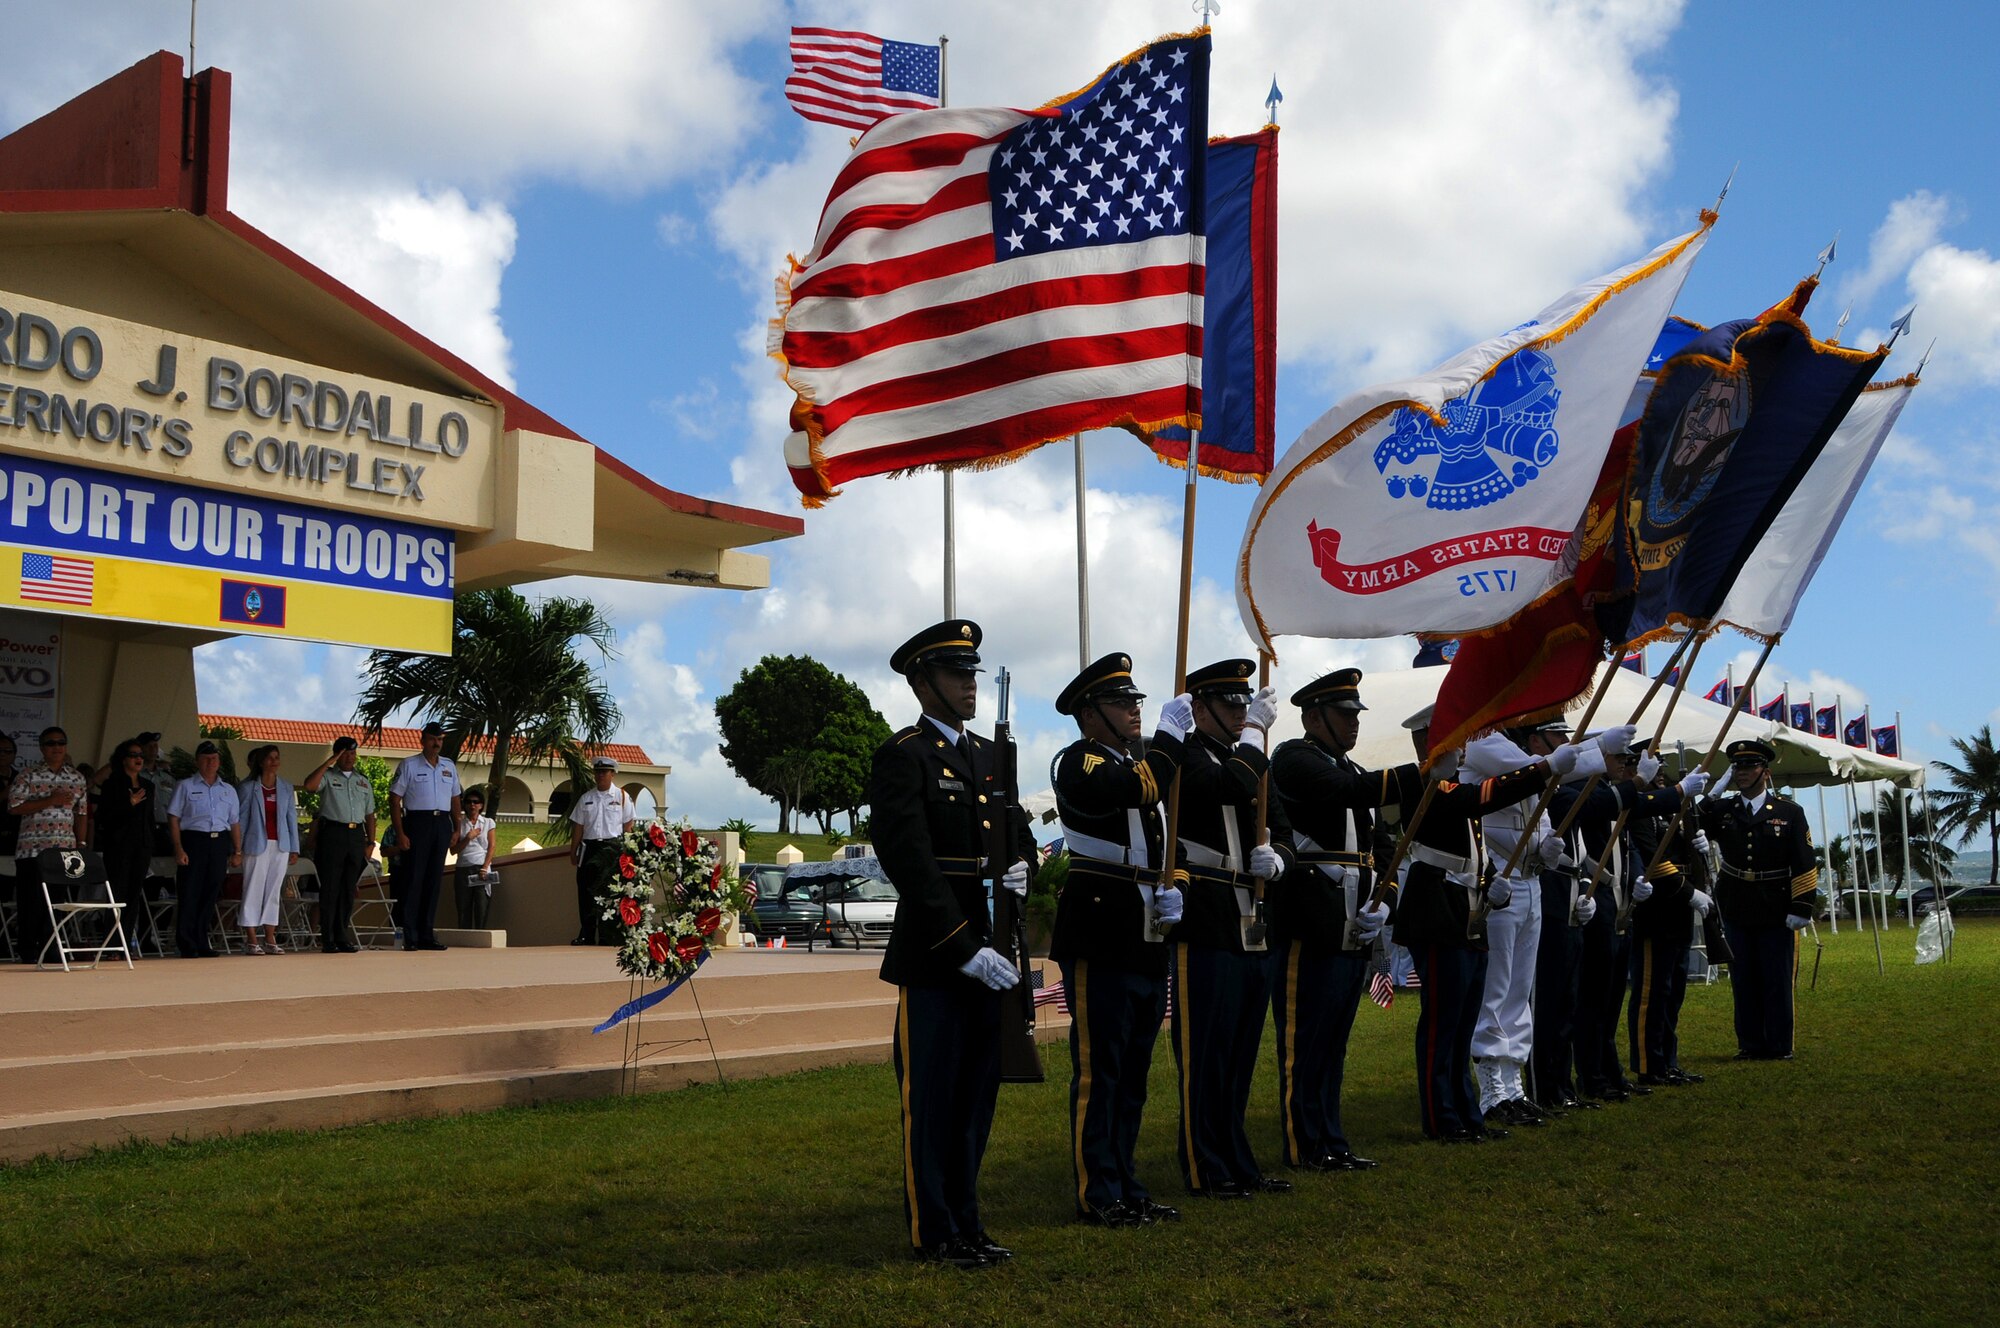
(987, 280)
(854, 79)
(54, 579)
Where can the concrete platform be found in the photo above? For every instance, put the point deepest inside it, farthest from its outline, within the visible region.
(191, 1048)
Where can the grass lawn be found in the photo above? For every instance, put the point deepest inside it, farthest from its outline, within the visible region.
(1854, 1186)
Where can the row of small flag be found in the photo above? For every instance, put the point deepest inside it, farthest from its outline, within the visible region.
(1823, 721)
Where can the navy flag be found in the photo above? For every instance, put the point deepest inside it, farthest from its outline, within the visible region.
(1735, 420)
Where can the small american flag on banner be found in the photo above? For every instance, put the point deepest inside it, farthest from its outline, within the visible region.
(54, 579)
(854, 79)
(1381, 990)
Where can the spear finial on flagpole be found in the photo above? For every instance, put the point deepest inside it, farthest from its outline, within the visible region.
(1826, 255)
(1725, 187)
(1927, 358)
(1208, 9)
(1271, 102)
(1899, 327)
(1841, 326)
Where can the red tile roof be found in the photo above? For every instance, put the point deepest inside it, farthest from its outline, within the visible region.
(314, 733)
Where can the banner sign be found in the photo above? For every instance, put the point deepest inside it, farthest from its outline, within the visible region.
(117, 546)
(30, 679)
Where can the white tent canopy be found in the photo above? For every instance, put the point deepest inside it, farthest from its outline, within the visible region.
(1803, 758)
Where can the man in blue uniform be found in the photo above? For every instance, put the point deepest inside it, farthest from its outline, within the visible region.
(933, 799)
(1221, 983)
(1766, 890)
(1662, 932)
(1324, 922)
(204, 821)
(1111, 926)
(423, 800)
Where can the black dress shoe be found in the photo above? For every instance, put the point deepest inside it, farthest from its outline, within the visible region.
(1638, 1089)
(1680, 1078)
(994, 1251)
(350, 949)
(1352, 1162)
(434, 945)
(1150, 1212)
(957, 1253)
(1222, 1189)
(583, 940)
(1524, 1113)
(1272, 1185)
(1492, 1132)
(1462, 1137)
(1111, 1215)
(1550, 1110)
(1651, 1081)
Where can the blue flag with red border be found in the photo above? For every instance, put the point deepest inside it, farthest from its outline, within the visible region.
(1886, 743)
(1828, 719)
(1856, 732)
(1774, 709)
(1802, 716)
(1239, 359)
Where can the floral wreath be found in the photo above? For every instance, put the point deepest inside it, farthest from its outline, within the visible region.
(666, 892)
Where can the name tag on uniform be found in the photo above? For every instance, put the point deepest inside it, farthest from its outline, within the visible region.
(955, 785)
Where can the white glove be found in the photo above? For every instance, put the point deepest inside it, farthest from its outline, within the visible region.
(1692, 783)
(988, 967)
(1797, 923)
(1589, 763)
(1551, 850)
(1177, 717)
(1562, 760)
(1265, 862)
(1263, 709)
(1586, 909)
(1642, 890)
(1617, 738)
(1169, 904)
(1702, 903)
(1369, 921)
(1015, 878)
(1498, 893)
(1649, 766)
(1700, 842)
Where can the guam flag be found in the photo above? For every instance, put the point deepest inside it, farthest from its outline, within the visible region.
(1856, 732)
(1239, 357)
(1802, 717)
(1886, 743)
(1720, 693)
(1827, 719)
(1774, 709)
(1736, 419)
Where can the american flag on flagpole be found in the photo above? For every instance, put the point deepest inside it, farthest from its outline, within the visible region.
(855, 79)
(54, 579)
(987, 280)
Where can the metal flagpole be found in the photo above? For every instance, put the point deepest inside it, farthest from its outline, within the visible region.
(1903, 820)
(1812, 713)
(1082, 562)
(950, 505)
(1860, 859)
(1942, 908)
(1875, 820)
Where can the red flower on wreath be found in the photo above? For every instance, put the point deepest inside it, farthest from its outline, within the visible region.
(715, 877)
(657, 944)
(707, 921)
(656, 836)
(688, 948)
(690, 843)
(626, 867)
(628, 911)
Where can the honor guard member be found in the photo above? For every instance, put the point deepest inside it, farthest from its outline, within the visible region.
(1328, 801)
(204, 819)
(1503, 1034)
(1662, 932)
(1766, 889)
(1604, 967)
(423, 800)
(343, 840)
(933, 797)
(1220, 980)
(601, 817)
(1110, 927)
(1446, 874)
(1567, 908)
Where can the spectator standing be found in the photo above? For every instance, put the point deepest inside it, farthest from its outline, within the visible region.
(125, 835)
(52, 801)
(423, 799)
(343, 838)
(269, 811)
(600, 817)
(472, 884)
(205, 821)
(161, 774)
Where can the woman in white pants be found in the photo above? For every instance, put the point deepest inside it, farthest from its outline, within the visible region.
(270, 845)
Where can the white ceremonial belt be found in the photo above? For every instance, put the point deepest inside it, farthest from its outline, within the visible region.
(1445, 862)
(1090, 846)
(1201, 855)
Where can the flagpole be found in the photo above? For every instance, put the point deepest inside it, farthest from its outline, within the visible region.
(1942, 908)
(1181, 643)
(1812, 713)
(1875, 817)
(1082, 561)
(1680, 685)
(950, 504)
(1680, 813)
(1602, 690)
(1903, 818)
(1860, 858)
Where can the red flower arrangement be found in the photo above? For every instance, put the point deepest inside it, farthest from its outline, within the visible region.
(629, 911)
(668, 896)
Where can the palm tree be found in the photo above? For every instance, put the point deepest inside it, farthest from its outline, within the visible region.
(1895, 809)
(514, 676)
(1972, 803)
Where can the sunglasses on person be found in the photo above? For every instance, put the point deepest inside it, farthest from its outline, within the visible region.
(54, 742)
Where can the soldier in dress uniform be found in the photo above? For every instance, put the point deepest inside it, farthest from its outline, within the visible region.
(1110, 927)
(1446, 873)
(933, 800)
(1329, 802)
(1662, 932)
(1766, 889)
(1220, 980)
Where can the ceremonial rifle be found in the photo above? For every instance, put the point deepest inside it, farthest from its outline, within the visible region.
(1020, 1059)
(1257, 927)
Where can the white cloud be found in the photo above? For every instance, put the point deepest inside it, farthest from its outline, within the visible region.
(1957, 294)
(271, 678)
(1912, 225)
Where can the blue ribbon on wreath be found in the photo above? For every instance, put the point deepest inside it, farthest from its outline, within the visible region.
(650, 999)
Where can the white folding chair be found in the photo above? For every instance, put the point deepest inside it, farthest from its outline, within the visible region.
(296, 902)
(374, 913)
(7, 928)
(65, 915)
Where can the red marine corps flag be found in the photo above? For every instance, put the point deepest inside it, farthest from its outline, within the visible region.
(986, 280)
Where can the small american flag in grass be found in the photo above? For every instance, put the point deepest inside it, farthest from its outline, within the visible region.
(1381, 990)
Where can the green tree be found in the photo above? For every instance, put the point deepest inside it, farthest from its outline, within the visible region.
(1972, 803)
(842, 756)
(1926, 858)
(770, 721)
(520, 673)
(180, 761)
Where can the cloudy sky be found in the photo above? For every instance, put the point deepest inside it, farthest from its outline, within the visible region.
(590, 200)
